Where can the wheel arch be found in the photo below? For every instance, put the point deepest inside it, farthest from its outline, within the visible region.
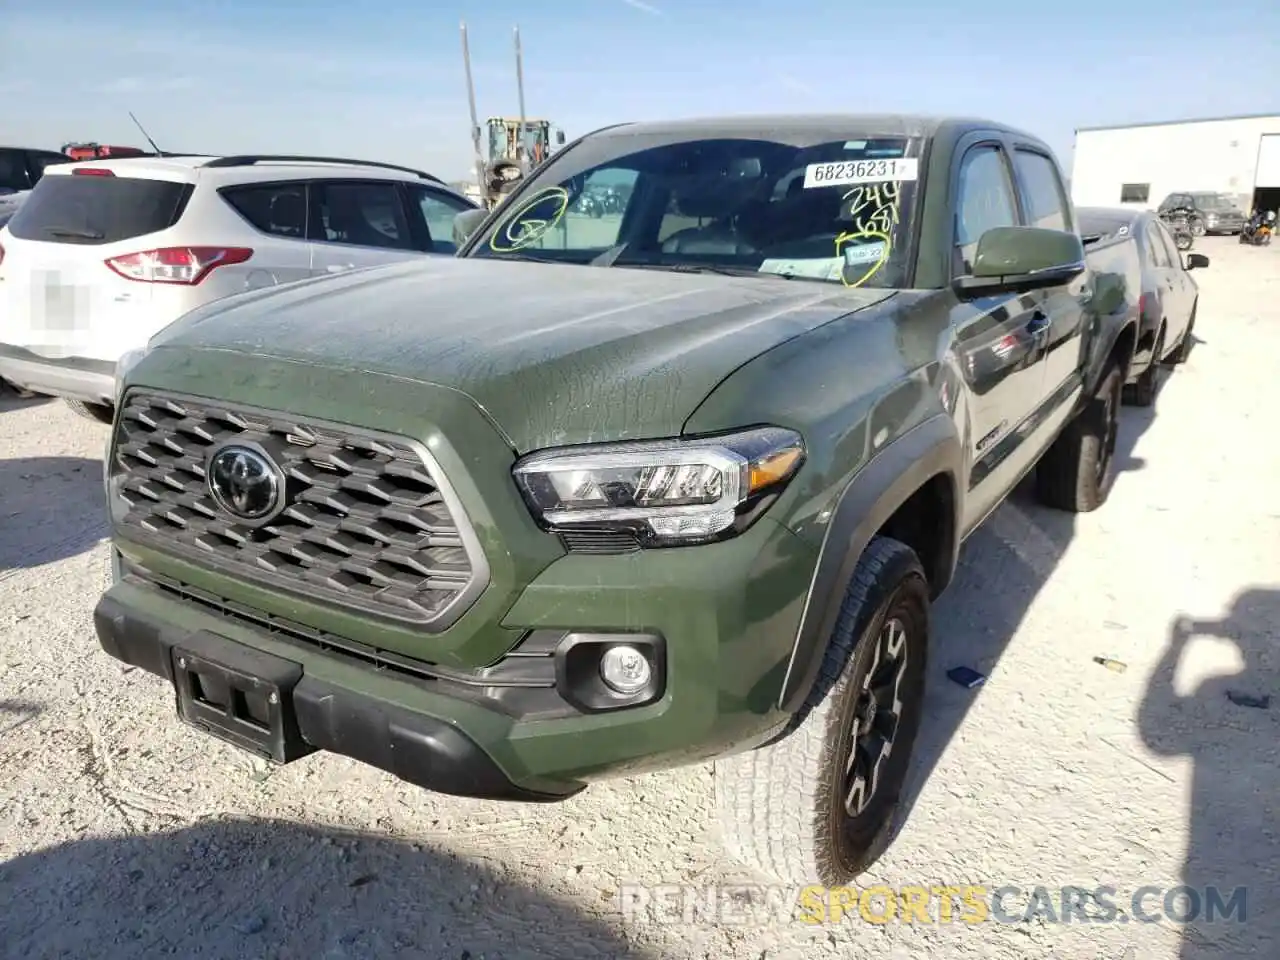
(912, 491)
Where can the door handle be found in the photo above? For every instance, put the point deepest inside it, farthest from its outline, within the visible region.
(1038, 323)
(339, 267)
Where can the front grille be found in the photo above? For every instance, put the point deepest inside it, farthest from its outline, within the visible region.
(368, 524)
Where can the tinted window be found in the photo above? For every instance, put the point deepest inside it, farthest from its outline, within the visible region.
(985, 200)
(279, 209)
(438, 210)
(800, 203)
(1156, 252)
(1170, 247)
(1041, 190)
(86, 209)
(363, 214)
(39, 160)
(13, 171)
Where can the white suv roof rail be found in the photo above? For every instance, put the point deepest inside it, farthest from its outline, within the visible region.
(249, 159)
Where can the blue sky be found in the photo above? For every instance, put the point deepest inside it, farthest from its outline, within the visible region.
(384, 79)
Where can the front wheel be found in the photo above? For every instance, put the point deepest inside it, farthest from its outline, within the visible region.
(1183, 350)
(100, 412)
(1077, 471)
(1143, 393)
(1183, 240)
(819, 804)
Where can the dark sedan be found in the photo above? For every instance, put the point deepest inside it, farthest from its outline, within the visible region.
(1169, 293)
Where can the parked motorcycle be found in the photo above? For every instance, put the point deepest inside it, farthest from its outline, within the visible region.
(1258, 230)
(1179, 223)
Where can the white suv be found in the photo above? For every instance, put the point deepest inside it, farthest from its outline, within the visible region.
(103, 254)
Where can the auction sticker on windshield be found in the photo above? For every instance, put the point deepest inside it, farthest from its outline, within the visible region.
(842, 172)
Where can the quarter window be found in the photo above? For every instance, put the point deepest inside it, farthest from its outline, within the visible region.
(985, 201)
(279, 209)
(363, 215)
(1041, 190)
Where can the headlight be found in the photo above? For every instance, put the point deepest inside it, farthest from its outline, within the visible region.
(667, 492)
(128, 360)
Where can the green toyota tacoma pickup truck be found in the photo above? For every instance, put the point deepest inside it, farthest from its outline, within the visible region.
(607, 495)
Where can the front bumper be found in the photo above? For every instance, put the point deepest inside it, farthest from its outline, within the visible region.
(75, 378)
(322, 715)
(725, 616)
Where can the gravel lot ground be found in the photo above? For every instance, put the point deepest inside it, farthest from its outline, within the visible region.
(125, 834)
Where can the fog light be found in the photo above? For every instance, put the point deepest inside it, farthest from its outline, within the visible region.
(625, 669)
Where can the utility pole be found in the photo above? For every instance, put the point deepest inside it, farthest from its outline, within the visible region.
(475, 122)
(524, 160)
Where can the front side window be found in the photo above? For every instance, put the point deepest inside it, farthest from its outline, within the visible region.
(985, 201)
(438, 210)
(808, 207)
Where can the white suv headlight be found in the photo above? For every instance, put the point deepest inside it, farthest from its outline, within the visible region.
(667, 492)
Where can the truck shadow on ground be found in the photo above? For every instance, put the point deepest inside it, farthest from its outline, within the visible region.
(255, 888)
(51, 508)
(1228, 725)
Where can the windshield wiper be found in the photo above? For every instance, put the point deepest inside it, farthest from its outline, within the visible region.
(81, 234)
(688, 268)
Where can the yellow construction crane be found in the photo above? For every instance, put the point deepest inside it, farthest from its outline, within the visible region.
(515, 144)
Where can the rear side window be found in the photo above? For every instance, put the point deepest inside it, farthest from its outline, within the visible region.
(363, 215)
(1041, 190)
(97, 210)
(279, 209)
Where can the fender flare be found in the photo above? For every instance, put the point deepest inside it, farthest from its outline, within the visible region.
(869, 500)
(1108, 337)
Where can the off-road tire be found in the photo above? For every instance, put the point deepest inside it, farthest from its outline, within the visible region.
(1143, 392)
(781, 806)
(1076, 473)
(92, 411)
(1183, 350)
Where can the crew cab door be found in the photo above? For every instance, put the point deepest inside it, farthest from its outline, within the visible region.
(1045, 205)
(999, 339)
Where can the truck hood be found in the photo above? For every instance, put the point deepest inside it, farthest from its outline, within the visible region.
(553, 354)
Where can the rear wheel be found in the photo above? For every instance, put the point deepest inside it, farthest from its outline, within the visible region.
(1143, 393)
(819, 804)
(1076, 472)
(100, 412)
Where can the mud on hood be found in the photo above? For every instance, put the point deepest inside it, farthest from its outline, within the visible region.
(554, 354)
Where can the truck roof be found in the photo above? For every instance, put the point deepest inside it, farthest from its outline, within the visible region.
(902, 124)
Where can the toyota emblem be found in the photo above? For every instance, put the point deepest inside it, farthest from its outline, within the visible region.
(244, 483)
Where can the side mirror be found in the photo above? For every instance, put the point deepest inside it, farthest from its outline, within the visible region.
(1023, 258)
(465, 224)
(1197, 261)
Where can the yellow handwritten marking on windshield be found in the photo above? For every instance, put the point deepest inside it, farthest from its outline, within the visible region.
(871, 269)
(507, 239)
(873, 206)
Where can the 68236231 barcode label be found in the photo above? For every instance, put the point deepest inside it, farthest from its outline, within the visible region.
(840, 173)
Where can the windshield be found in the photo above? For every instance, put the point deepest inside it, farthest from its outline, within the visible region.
(1212, 201)
(811, 208)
